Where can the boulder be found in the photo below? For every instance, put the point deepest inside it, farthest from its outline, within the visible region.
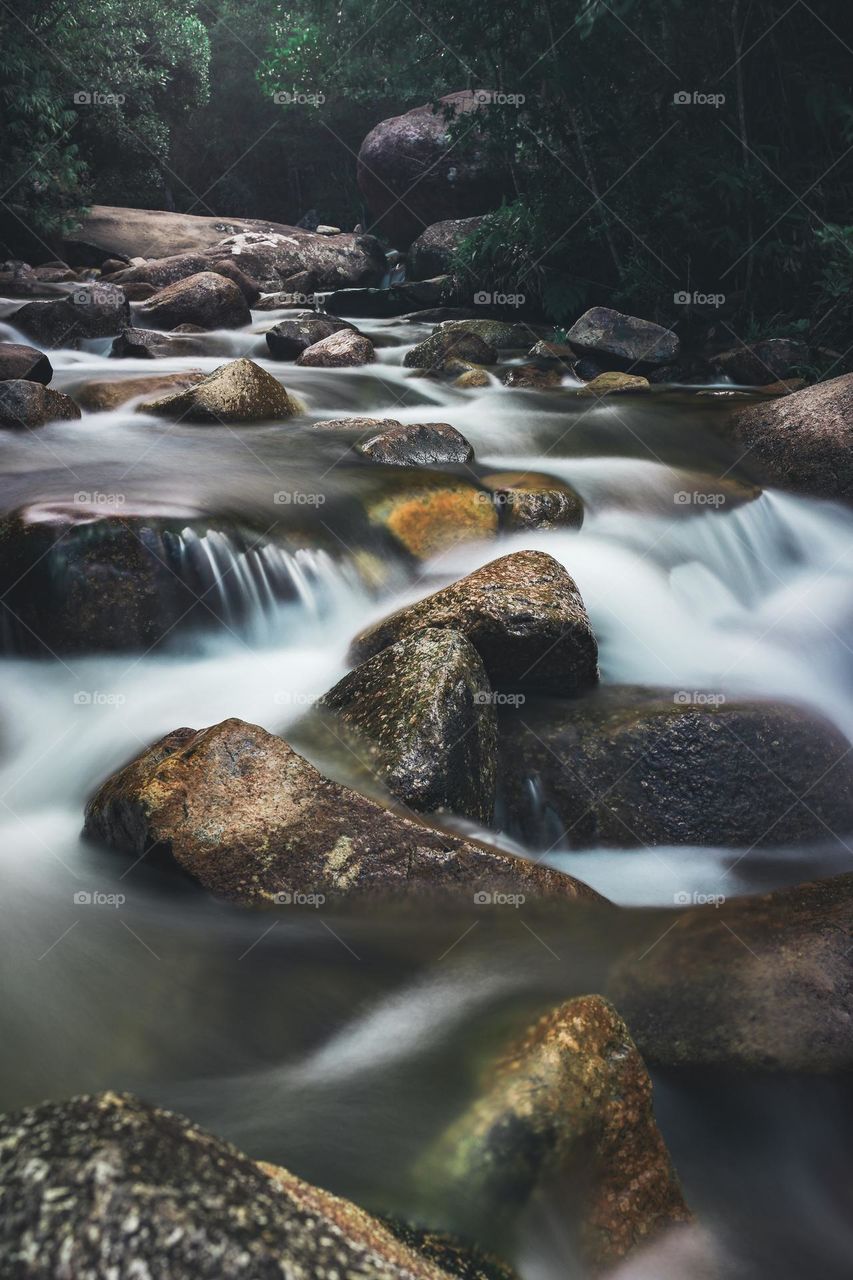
(629, 767)
(522, 613)
(26, 404)
(412, 174)
(496, 333)
(240, 391)
(289, 338)
(433, 514)
(528, 500)
(104, 394)
(553, 351)
(529, 377)
(241, 812)
(567, 1108)
(472, 378)
(336, 262)
(109, 1185)
(602, 332)
(150, 344)
(342, 350)
(206, 299)
(757, 363)
(433, 252)
(416, 444)
(448, 344)
(755, 984)
(610, 384)
(162, 271)
(25, 363)
(89, 311)
(424, 710)
(802, 441)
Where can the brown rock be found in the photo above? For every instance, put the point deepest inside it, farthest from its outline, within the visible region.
(289, 338)
(150, 344)
(340, 350)
(531, 378)
(608, 384)
(108, 393)
(27, 363)
(207, 299)
(528, 500)
(240, 391)
(26, 404)
(416, 444)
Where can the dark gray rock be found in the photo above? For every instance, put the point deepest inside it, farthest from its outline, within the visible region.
(89, 311)
(27, 363)
(758, 364)
(416, 444)
(26, 404)
(433, 251)
(151, 344)
(448, 345)
(604, 333)
(289, 338)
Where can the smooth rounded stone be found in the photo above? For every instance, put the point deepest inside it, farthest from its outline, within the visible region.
(25, 404)
(604, 332)
(206, 299)
(240, 391)
(240, 811)
(289, 338)
(803, 441)
(446, 345)
(530, 377)
(411, 176)
(109, 1185)
(631, 767)
(101, 395)
(433, 252)
(756, 364)
(416, 444)
(151, 344)
(756, 984)
(162, 271)
(342, 350)
(529, 500)
(229, 268)
(472, 378)
(610, 384)
(522, 613)
(569, 1106)
(426, 711)
(88, 311)
(496, 333)
(433, 514)
(20, 362)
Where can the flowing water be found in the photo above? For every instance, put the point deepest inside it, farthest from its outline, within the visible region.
(329, 1044)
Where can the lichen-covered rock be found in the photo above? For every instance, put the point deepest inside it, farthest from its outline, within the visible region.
(522, 613)
(426, 710)
(609, 384)
(570, 1103)
(449, 344)
(207, 299)
(603, 332)
(340, 350)
(628, 767)
(107, 1185)
(758, 984)
(330, 262)
(359, 425)
(758, 363)
(530, 377)
(26, 404)
(496, 333)
(240, 391)
(416, 444)
(472, 379)
(528, 500)
(19, 361)
(289, 338)
(89, 311)
(245, 815)
(150, 344)
(433, 252)
(433, 515)
(108, 393)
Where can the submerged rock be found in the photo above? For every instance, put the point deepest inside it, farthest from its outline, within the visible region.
(26, 404)
(289, 338)
(496, 333)
(529, 377)
(340, 350)
(240, 391)
(449, 344)
(757, 984)
(522, 613)
(609, 384)
(425, 708)
(102, 394)
(569, 1105)
(205, 299)
(628, 767)
(602, 332)
(432, 514)
(151, 344)
(433, 252)
(252, 821)
(18, 361)
(416, 444)
(88, 311)
(528, 500)
(395, 300)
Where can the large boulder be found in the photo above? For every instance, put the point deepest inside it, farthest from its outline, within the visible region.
(107, 1185)
(26, 404)
(499, 334)
(522, 613)
(569, 1106)
(240, 391)
(159, 272)
(412, 174)
(425, 710)
(432, 514)
(758, 364)
(207, 299)
(802, 441)
(331, 262)
(91, 310)
(245, 815)
(342, 350)
(629, 767)
(22, 362)
(611, 335)
(757, 984)
(102, 394)
(448, 345)
(416, 444)
(433, 252)
(289, 338)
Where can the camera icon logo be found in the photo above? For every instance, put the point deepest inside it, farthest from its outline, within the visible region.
(482, 299)
(82, 698)
(82, 98)
(284, 899)
(681, 99)
(681, 298)
(82, 898)
(681, 498)
(482, 899)
(681, 899)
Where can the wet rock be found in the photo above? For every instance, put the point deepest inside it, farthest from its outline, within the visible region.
(522, 613)
(758, 363)
(355, 424)
(569, 1106)
(416, 444)
(803, 441)
(240, 391)
(425, 709)
(445, 345)
(783, 388)
(495, 333)
(553, 351)
(252, 821)
(628, 767)
(340, 350)
(109, 393)
(472, 378)
(530, 377)
(26, 404)
(433, 514)
(458, 1257)
(336, 262)
(289, 338)
(107, 1184)
(17, 279)
(249, 288)
(395, 300)
(602, 332)
(150, 344)
(22, 362)
(139, 292)
(528, 500)
(433, 252)
(206, 299)
(162, 271)
(609, 384)
(758, 984)
(89, 311)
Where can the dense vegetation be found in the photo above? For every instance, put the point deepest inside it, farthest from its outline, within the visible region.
(619, 190)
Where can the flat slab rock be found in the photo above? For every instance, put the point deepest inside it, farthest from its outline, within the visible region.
(250, 819)
(523, 614)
